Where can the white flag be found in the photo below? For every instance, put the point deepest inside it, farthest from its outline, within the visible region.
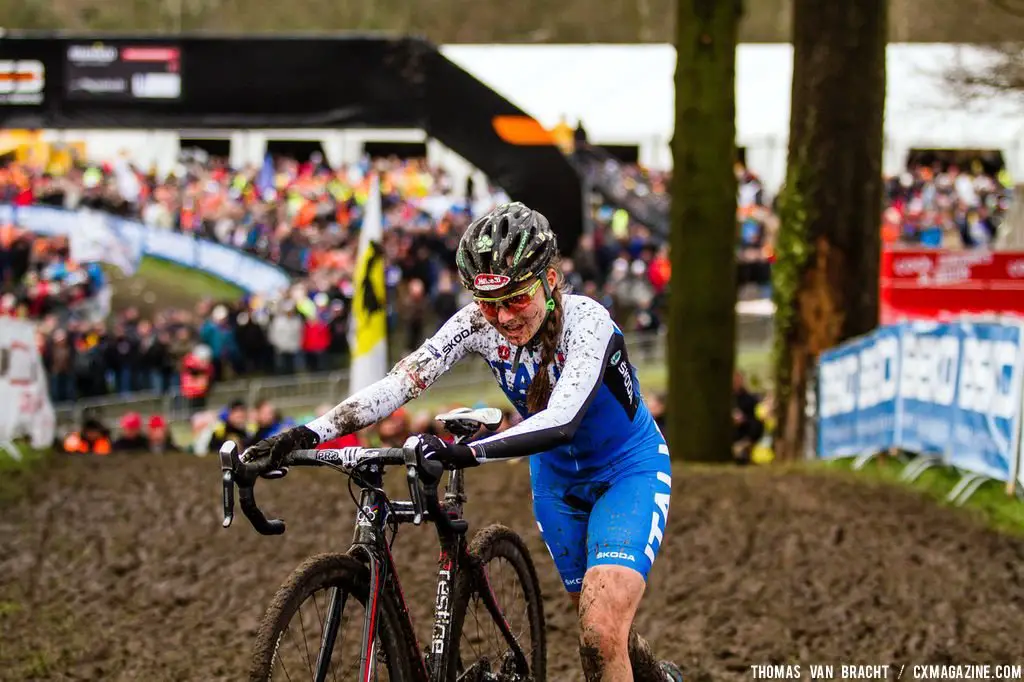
(94, 239)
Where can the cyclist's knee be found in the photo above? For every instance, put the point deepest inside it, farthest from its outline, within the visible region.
(607, 605)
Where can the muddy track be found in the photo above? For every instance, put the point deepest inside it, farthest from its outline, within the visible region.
(118, 569)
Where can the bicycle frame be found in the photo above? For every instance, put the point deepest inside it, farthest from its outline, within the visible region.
(370, 544)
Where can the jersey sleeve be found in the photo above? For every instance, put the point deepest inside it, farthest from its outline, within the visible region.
(588, 346)
(407, 379)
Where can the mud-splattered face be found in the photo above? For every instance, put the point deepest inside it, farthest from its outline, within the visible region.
(518, 318)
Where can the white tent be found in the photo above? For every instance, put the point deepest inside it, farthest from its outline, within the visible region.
(624, 94)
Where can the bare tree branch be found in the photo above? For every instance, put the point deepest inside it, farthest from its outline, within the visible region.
(1008, 7)
(1001, 73)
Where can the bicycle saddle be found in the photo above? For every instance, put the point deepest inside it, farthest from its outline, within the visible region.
(465, 422)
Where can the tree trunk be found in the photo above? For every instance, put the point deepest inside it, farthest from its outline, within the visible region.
(702, 305)
(825, 278)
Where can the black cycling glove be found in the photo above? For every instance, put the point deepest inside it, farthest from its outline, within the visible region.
(451, 455)
(269, 452)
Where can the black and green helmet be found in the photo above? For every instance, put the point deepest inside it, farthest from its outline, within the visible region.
(512, 243)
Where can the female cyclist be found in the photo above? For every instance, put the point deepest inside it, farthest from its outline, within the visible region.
(599, 466)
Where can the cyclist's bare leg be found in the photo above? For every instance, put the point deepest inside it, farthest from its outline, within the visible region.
(609, 648)
(642, 659)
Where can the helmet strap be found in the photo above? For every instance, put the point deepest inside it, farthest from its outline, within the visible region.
(549, 304)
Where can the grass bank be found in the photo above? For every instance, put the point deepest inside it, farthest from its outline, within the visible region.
(160, 284)
(15, 472)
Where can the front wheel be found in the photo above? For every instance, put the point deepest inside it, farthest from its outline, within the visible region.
(291, 644)
(499, 566)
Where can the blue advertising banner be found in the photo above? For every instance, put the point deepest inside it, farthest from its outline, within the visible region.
(858, 384)
(135, 239)
(953, 390)
(929, 364)
(986, 421)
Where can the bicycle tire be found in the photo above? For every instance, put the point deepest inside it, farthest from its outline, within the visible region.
(497, 541)
(317, 572)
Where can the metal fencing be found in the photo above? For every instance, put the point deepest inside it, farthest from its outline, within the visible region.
(308, 390)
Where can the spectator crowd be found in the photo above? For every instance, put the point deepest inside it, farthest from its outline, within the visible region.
(944, 205)
(38, 278)
(306, 216)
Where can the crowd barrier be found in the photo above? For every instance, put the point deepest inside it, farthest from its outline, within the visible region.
(950, 393)
(136, 239)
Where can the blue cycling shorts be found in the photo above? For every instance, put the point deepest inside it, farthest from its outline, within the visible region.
(615, 517)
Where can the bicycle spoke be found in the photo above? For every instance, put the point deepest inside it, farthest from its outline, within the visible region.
(285, 670)
(479, 628)
(483, 637)
(305, 644)
(293, 635)
(323, 626)
(510, 618)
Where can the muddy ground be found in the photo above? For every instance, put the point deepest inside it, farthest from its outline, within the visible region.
(118, 569)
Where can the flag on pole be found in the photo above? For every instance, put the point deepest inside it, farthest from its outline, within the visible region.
(265, 178)
(97, 239)
(368, 331)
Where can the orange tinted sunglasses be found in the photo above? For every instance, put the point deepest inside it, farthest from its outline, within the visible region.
(515, 302)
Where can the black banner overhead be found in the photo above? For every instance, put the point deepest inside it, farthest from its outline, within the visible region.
(209, 82)
(174, 81)
(500, 139)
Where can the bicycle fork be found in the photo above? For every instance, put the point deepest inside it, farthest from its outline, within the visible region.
(334, 611)
(332, 623)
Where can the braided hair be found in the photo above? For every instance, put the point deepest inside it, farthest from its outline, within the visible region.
(539, 393)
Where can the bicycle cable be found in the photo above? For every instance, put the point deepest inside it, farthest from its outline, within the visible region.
(386, 506)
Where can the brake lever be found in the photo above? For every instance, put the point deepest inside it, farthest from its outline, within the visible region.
(235, 474)
(228, 464)
(412, 476)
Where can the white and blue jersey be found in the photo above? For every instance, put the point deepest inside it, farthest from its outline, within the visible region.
(599, 466)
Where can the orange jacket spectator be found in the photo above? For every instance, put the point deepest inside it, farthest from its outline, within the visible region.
(92, 440)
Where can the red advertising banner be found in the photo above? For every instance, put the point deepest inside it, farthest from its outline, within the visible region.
(932, 284)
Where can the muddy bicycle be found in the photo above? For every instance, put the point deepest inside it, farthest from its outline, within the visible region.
(365, 579)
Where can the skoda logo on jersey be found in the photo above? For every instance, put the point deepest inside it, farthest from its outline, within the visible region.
(627, 381)
(615, 358)
(488, 282)
(456, 340)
